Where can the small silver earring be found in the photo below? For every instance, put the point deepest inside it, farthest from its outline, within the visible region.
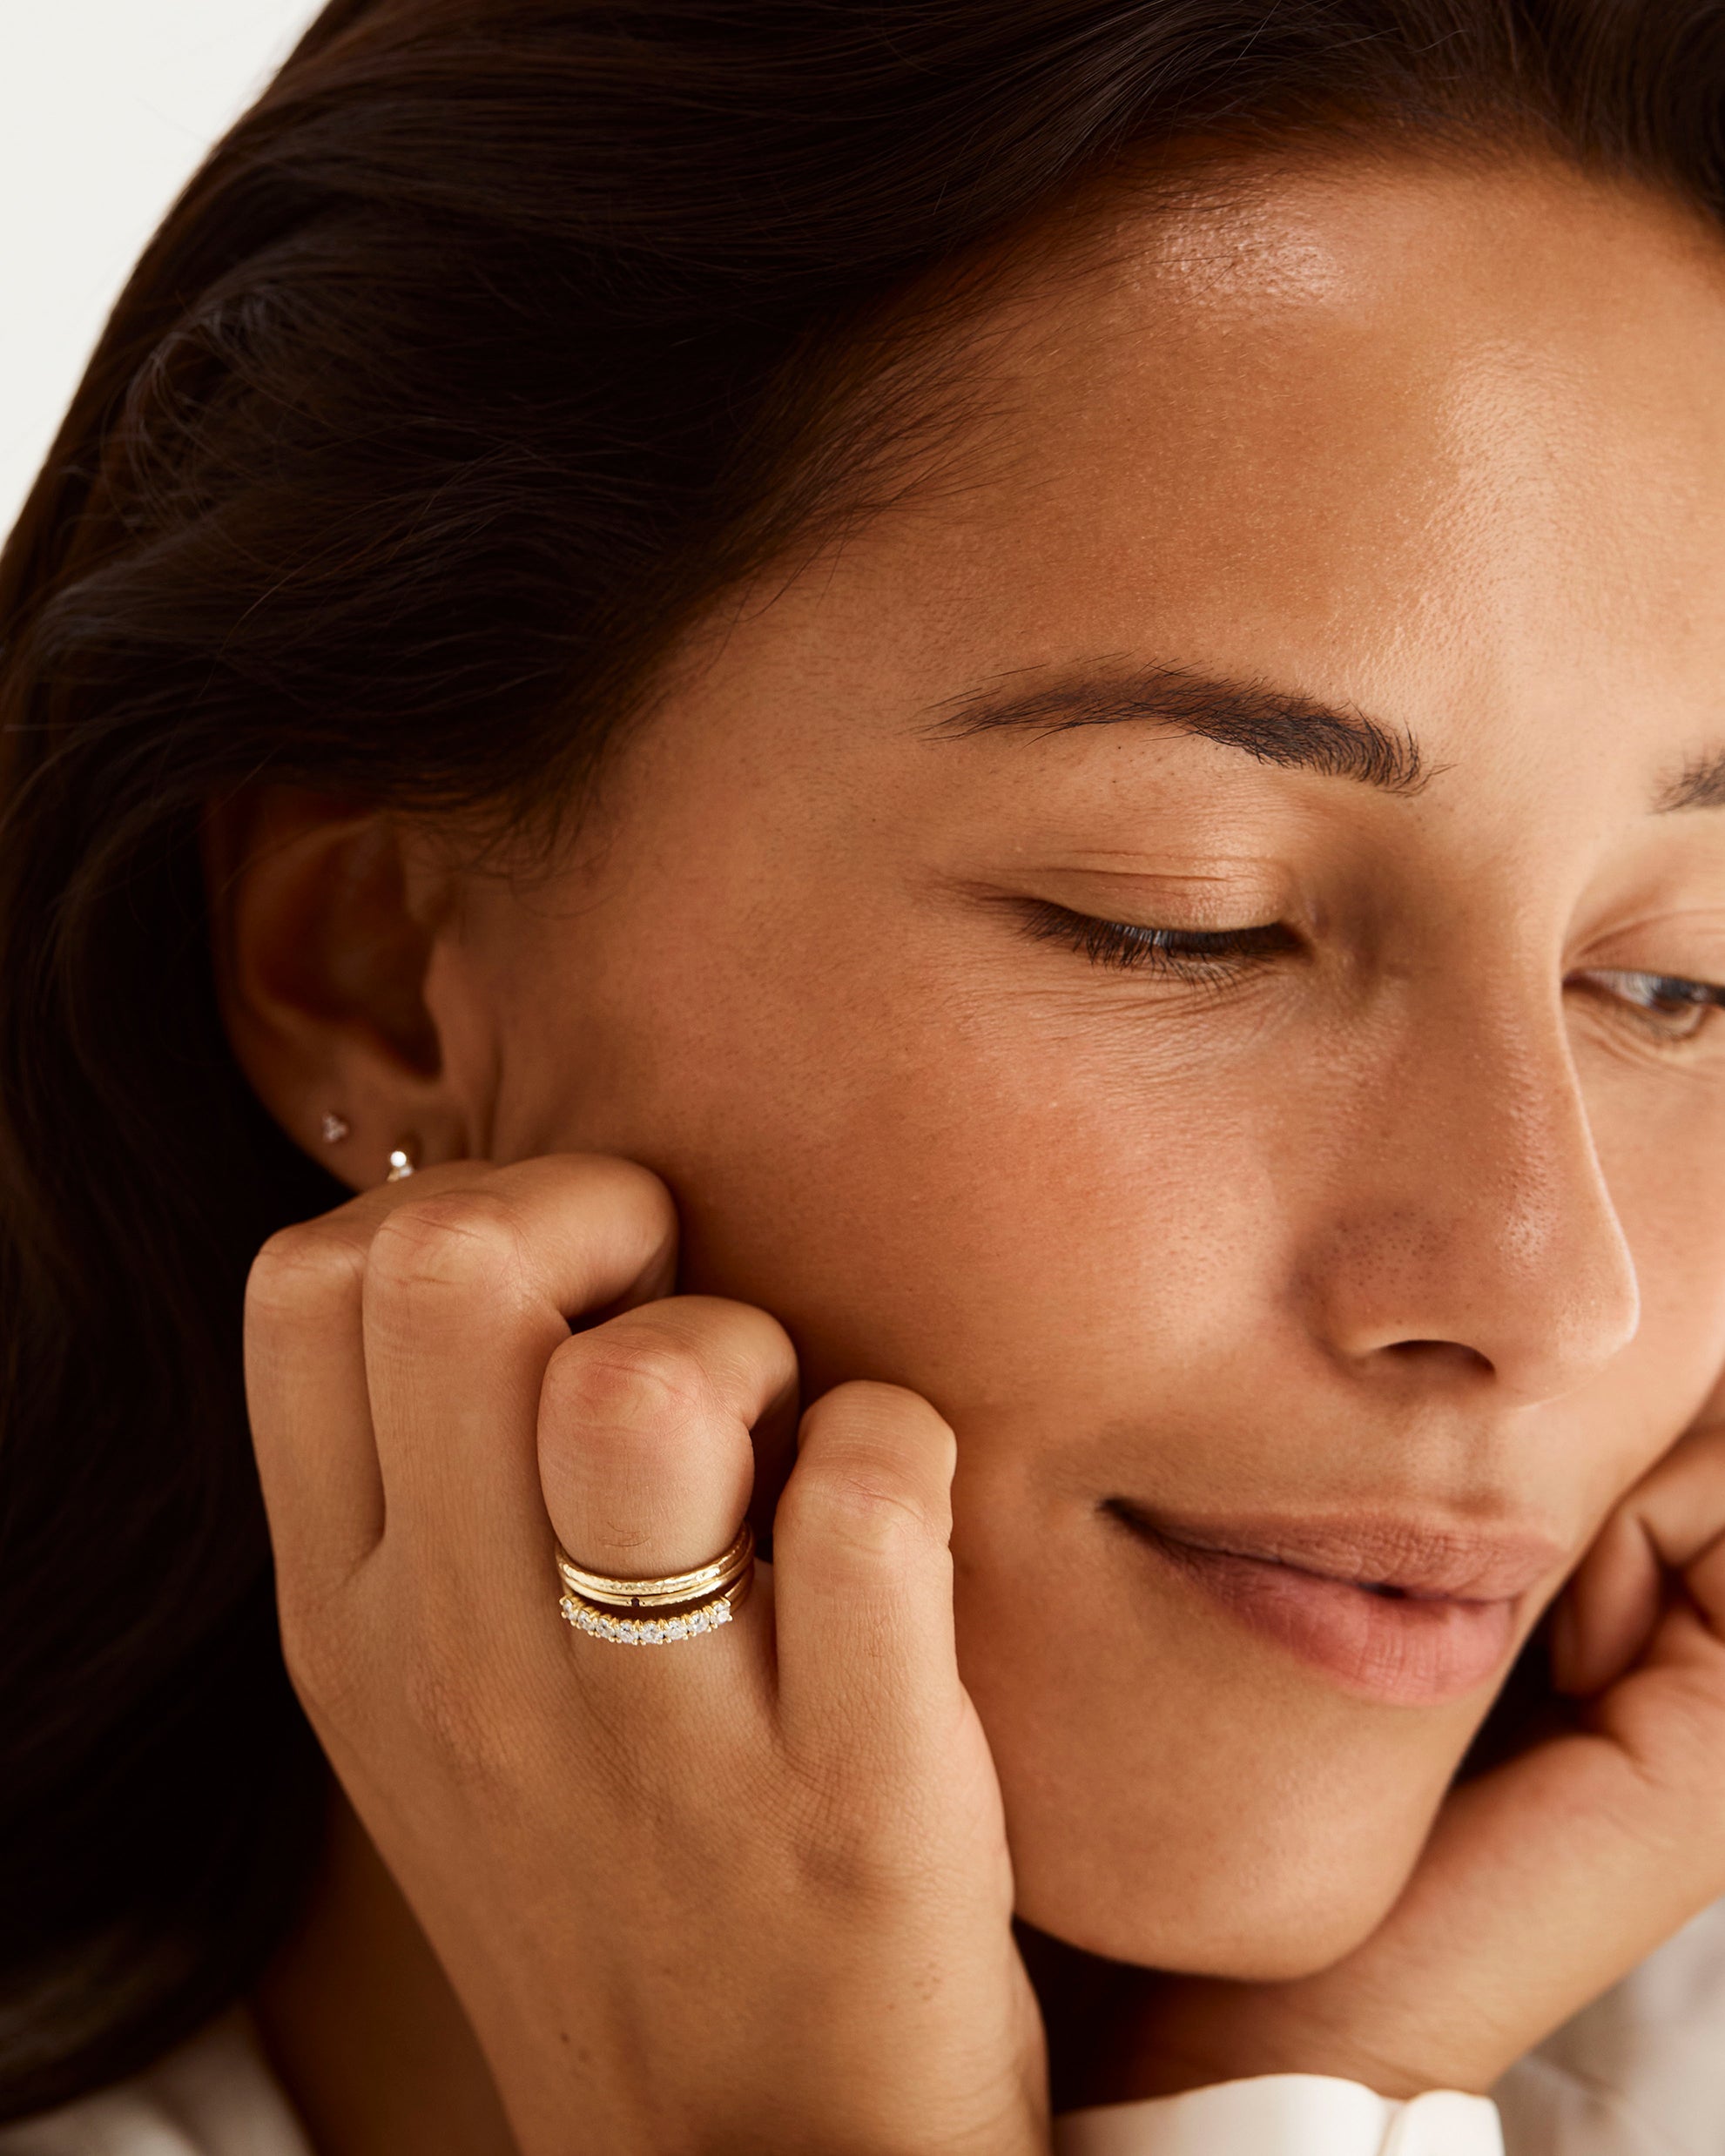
(403, 1159)
(335, 1127)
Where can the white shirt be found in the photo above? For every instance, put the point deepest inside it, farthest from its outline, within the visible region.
(1641, 2072)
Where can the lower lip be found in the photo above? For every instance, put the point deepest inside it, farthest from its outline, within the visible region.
(1407, 1650)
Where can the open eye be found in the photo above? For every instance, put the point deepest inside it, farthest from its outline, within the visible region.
(1669, 1005)
(1205, 956)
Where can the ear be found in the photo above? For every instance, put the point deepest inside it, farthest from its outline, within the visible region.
(322, 941)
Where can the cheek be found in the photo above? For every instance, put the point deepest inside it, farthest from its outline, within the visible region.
(1661, 1148)
(950, 1207)
(1173, 1801)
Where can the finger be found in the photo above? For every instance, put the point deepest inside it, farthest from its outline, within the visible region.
(307, 1381)
(469, 1292)
(305, 1385)
(863, 1576)
(1608, 1610)
(646, 1455)
(306, 1393)
(1704, 1578)
(1665, 1525)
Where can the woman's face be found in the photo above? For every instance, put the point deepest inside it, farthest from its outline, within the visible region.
(1335, 586)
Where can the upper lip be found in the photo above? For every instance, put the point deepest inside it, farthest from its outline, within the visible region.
(1390, 1553)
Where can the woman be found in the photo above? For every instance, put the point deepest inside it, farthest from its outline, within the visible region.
(1001, 721)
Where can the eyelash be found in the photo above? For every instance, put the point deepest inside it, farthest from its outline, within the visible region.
(1206, 956)
(1213, 957)
(1662, 998)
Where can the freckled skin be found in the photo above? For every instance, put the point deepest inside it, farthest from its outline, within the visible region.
(1397, 1223)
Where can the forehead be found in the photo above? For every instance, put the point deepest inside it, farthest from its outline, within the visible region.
(1446, 440)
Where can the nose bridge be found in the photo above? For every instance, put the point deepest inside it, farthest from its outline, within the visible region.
(1477, 1213)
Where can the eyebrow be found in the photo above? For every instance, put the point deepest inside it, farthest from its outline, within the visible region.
(1272, 725)
(1700, 785)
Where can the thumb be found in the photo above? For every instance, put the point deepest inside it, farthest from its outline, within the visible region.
(1668, 1521)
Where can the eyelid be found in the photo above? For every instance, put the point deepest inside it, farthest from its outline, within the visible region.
(1673, 1011)
(1200, 954)
(1674, 1007)
(1693, 992)
(1211, 895)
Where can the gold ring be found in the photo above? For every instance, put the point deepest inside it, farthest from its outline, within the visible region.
(655, 1631)
(661, 1594)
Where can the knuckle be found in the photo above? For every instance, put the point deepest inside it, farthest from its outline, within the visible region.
(888, 1417)
(323, 1663)
(729, 1334)
(641, 1187)
(856, 1506)
(418, 1686)
(304, 1268)
(467, 1240)
(456, 1710)
(847, 1839)
(874, 1478)
(628, 1381)
(446, 1717)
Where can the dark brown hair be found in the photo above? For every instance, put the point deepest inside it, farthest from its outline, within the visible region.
(476, 360)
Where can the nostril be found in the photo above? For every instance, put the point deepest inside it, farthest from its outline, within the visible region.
(1435, 1354)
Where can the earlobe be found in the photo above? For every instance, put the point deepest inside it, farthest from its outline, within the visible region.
(321, 962)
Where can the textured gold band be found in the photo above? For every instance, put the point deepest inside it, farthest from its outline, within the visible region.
(661, 1593)
(687, 1624)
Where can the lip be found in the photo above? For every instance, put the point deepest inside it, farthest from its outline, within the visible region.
(1393, 1609)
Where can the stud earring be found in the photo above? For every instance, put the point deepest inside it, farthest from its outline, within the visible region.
(403, 1159)
(335, 1127)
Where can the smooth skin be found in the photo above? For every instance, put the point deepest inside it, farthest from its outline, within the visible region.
(1406, 1197)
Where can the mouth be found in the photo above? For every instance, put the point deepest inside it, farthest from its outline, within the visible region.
(1391, 1610)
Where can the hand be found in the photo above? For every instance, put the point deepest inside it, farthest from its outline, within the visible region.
(750, 1890)
(1546, 1880)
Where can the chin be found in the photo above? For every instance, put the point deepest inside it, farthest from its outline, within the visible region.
(1204, 1806)
(1248, 1846)
(1246, 1923)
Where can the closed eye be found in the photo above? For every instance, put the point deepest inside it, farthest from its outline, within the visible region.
(1208, 956)
(1671, 1006)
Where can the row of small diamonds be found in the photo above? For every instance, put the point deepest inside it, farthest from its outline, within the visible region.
(644, 1631)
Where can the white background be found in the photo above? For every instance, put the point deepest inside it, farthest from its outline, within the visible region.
(106, 107)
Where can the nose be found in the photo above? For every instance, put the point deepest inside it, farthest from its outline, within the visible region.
(1471, 1231)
